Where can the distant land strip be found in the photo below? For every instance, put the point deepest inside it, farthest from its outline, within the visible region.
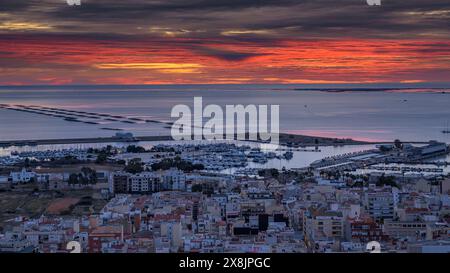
(290, 140)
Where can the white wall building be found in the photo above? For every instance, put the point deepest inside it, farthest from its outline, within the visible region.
(23, 176)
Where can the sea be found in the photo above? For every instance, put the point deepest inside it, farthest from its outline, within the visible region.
(376, 114)
(370, 115)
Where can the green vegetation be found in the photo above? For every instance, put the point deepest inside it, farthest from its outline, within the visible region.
(178, 163)
(101, 158)
(331, 174)
(29, 203)
(386, 181)
(269, 173)
(162, 149)
(135, 149)
(87, 176)
(134, 166)
(102, 154)
(398, 144)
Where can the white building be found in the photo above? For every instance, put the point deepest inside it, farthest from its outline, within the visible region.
(174, 179)
(430, 247)
(4, 180)
(173, 231)
(23, 176)
(380, 204)
(144, 182)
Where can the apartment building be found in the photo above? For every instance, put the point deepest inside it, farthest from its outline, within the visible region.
(322, 225)
(379, 204)
(147, 182)
(405, 229)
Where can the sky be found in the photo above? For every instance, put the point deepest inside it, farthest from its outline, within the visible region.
(47, 42)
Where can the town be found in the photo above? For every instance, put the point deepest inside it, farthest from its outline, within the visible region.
(218, 197)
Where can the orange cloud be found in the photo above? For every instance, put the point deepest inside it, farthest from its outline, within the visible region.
(23, 26)
(178, 60)
(174, 68)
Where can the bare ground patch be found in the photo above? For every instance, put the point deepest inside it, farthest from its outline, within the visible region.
(62, 205)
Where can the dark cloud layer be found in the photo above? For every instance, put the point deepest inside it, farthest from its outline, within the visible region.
(223, 41)
(226, 55)
(243, 18)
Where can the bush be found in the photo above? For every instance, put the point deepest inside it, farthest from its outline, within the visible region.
(135, 149)
(134, 166)
(269, 173)
(386, 181)
(87, 176)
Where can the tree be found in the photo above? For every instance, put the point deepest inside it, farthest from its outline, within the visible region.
(197, 188)
(27, 162)
(135, 149)
(85, 177)
(134, 166)
(269, 173)
(398, 144)
(386, 181)
(101, 158)
(73, 179)
(89, 175)
(178, 163)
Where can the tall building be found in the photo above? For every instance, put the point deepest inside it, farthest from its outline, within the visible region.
(119, 183)
(365, 230)
(379, 204)
(173, 231)
(404, 229)
(148, 182)
(322, 225)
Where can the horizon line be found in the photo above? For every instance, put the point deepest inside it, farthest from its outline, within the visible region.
(378, 85)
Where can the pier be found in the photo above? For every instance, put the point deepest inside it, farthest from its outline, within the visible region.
(11, 143)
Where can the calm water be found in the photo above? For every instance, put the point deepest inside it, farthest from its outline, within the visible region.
(410, 115)
(300, 159)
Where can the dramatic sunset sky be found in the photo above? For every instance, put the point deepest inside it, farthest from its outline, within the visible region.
(223, 41)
